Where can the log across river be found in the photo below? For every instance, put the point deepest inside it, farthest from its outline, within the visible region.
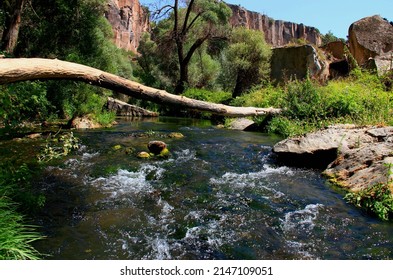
(23, 69)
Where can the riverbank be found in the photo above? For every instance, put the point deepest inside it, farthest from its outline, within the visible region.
(352, 157)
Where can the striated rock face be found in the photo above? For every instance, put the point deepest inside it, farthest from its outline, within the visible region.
(296, 62)
(371, 42)
(277, 32)
(129, 21)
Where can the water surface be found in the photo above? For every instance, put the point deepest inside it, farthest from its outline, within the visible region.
(219, 196)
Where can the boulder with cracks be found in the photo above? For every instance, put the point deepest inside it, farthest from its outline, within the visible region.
(351, 157)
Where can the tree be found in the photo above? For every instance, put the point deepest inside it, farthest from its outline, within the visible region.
(330, 37)
(193, 25)
(12, 13)
(246, 60)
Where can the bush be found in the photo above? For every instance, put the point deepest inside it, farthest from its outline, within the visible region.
(377, 199)
(303, 101)
(361, 98)
(206, 95)
(25, 101)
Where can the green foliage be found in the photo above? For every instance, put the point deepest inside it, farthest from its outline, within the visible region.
(178, 57)
(69, 30)
(377, 199)
(361, 99)
(15, 237)
(16, 183)
(245, 61)
(58, 146)
(206, 95)
(330, 37)
(203, 70)
(303, 101)
(105, 118)
(24, 101)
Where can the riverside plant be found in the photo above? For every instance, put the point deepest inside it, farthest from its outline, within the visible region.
(377, 199)
(15, 237)
(57, 147)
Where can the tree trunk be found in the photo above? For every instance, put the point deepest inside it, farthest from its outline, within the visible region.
(183, 79)
(23, 69)
(12, 25)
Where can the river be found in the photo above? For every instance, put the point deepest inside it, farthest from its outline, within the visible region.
(220, 195)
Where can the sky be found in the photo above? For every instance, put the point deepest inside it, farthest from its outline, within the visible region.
(327, 15)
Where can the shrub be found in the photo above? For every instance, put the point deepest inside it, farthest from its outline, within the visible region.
(25, 101)
(377, 199)
(206, 95)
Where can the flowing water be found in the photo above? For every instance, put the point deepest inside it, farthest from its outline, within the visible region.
(219, 196)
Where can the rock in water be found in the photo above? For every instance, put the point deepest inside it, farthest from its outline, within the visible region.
(353, 157)
(156, 147)
(143, 155)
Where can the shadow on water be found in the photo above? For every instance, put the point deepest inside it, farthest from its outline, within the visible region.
(220, 195)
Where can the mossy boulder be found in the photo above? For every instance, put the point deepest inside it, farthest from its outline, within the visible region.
(143, 155)
(176, 135)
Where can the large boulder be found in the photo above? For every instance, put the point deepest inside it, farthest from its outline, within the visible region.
(296, 62)
(352, 157)
(371, 43)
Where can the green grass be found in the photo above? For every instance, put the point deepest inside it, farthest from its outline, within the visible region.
(15, 236)
(361, 99)
(16, 195)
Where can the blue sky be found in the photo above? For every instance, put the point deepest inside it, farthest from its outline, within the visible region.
(326, 15)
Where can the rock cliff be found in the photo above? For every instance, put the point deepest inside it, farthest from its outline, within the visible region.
(277, 32)
(129, 20)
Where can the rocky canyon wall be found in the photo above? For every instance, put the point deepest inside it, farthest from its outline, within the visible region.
(129, 20)
(277, 32)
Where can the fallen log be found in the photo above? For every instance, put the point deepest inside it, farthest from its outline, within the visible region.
(23, 69)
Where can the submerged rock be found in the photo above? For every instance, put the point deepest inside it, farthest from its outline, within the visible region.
(143, 155)
(176, 135)
(352, 157)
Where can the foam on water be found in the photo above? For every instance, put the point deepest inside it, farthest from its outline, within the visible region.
(301, 220)
(129, 182)
(253, 180)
